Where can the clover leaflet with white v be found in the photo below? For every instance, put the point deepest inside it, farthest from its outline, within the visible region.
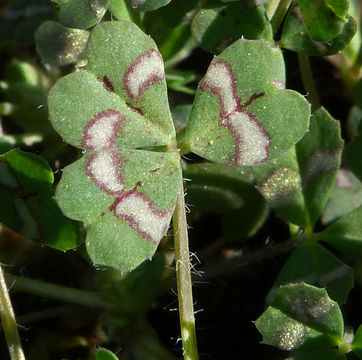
(124, 194)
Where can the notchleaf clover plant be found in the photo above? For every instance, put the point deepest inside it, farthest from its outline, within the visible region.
(115, 109)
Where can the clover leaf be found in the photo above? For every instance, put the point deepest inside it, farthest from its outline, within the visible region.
(242, 114)
(114, 109)
(301, 317)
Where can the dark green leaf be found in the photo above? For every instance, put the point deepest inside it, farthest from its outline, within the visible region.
(301, 316)
(82, 14)
(318, 155)
(354, 156)
(27, 201)
(227, 190)
(295, 36)
(218, 25)
(242, 115)
(59, 45)
(317, 266)
(346, 234)
(148, 5)
(169, 26)
(357, 342)
(324, 19)
(345, 196)
(357, 93)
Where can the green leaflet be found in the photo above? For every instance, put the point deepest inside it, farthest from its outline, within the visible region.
(27, 203)
(302, 317)
(298, 183)
(104, 354)
(218, 24)
(59, 45)
(357, 342)
(113, 109)
(317, 266)
(324, 19)
(148, 5)
(346, 234)
(242, 115)
(346, 195)
(82, 14)
(296, 38)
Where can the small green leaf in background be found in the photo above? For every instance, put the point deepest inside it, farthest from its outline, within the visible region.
(218, 25)
(228, 191)
(169, 26)
(104, 354)
(148, 5)
(346, 234)
(354, 156)
(280, 183)
(301, 317)
(115, 105)
(298, 183)
(357, 342)
(317, 266)
(82, 14)
(242, 115)
(295, 36)
(324, 19)
(346, 195)
(318, 155)
(58, 45)
(28, 206)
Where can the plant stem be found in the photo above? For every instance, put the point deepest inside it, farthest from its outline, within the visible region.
(308, 82)
(57, 292)
(183, 275)
(9, 322)
(279, 14)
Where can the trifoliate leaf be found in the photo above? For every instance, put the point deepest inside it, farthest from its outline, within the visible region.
(114, 109)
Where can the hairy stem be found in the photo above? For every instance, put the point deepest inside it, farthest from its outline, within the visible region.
(57, 292)
(183, 275)
(9, 323)
(308, 82)
(279, 14)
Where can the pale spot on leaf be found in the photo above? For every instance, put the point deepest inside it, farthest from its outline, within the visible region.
(252, 142)
(105, 170)
(145, 71)
(282, 182)
(137, 210)
(291, 335)
(220, 80)
(321, 162)
(101, 131)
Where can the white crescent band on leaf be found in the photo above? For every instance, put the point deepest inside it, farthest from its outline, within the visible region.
(145, 71)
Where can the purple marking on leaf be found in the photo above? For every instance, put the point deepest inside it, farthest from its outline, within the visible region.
(252, 141)
(141, 215)
(220, 81)
(137, 110)
(104, 168)
(107, 84)
(101, 132)
(145, 71)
